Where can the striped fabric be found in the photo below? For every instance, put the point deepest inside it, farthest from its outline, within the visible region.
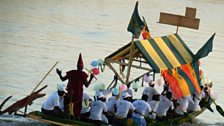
(183, 80)
(166, 52)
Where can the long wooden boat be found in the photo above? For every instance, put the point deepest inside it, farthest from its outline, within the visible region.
(150, 122)
(37, 115)
(177, 120)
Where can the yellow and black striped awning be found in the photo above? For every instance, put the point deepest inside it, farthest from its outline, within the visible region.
(160, 53)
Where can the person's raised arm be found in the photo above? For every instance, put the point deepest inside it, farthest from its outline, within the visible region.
(59, 74)
(87, 83)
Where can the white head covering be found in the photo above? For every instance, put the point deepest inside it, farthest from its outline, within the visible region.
(146, 91)
(62, 87)
(99, 95)
(125, 95)
(130, 91)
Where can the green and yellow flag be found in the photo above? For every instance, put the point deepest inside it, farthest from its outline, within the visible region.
(136, 24)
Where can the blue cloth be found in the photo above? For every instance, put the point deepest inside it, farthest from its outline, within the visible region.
(139, 121)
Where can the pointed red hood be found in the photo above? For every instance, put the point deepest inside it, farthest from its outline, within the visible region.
(80, 63)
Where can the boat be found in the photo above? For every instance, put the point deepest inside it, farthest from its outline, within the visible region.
(177, 120)
(158, 55)
(37, 115)
(147, 52)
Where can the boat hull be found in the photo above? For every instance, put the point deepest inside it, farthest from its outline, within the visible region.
(61, 121)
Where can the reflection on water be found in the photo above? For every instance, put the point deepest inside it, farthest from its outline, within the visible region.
(8, 120)
(36, 34)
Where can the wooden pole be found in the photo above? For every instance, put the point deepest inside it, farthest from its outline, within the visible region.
(154, 75)
(140, 76)
(44, 77)
(130, 61)
(112, 68)
(40, 83)
(177, 29)
(137, 67)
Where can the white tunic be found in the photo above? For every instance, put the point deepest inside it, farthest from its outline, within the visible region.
(123, 107)
(142, 107)
(164, 105)
(97, 108)
(85, 99)
(153, 104)
(111, 103)
(195, 106)
(150, 91)
(183, 104)
(53, 100)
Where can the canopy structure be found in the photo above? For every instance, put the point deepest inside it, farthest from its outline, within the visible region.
(165, 52)
(160, 53)
(168, 55)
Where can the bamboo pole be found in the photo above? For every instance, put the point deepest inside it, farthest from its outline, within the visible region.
(112, 68)
(40, 83)
(139, 76)
(130, 61)
(177, 29)
(135, 66)
(44, 77)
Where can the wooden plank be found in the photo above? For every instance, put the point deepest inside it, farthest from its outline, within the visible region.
(190, 12)
(178, 20)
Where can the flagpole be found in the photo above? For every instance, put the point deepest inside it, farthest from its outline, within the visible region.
(177, 29)
(130, 61)
(135, 27)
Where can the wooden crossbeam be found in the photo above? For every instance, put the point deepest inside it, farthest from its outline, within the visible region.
(187, 21)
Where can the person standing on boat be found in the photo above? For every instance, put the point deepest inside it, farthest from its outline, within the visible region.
(150, 91)
(76, 80)
(98, 110)
(141, 108)
(53, 106)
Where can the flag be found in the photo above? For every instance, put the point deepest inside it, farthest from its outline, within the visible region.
(183, 81)
(136, 24)
(205, 49)
(191, 73)
(173, 83)
(145, 32)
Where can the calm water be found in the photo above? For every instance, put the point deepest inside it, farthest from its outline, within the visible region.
(36, 34)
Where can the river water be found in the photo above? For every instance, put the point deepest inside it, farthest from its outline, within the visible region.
(36, 34)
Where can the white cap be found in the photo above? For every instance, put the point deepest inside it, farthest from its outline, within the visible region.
(130, 91)
(146, 91)
(62, 87)
(99, 95)
(125, 95)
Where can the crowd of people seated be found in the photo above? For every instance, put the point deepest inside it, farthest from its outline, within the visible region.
(121, 105)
